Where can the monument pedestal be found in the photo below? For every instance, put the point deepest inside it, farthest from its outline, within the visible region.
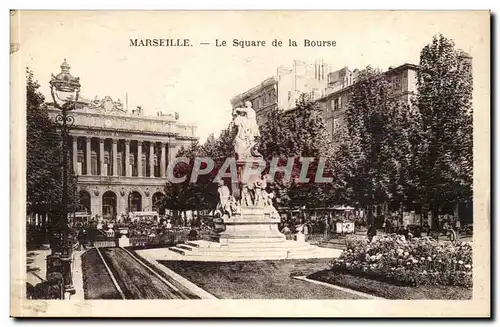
(249, 235)
(248, 226)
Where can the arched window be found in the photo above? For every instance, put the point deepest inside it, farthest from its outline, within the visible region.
(85, 202)
(134, 202)
(158, 203)
(109, 205)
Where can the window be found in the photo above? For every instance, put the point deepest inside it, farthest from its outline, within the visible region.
(143, 165)
(396, 82)
(133, 165)
(156, 166)
(79, 162)
(107, 164)
(93, 164)
(80, 157)
(336, 104)
(119, 161)
(336, 125)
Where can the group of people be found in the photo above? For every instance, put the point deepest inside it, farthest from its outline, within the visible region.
(86, 233)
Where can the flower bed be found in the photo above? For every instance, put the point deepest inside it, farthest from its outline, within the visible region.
(421, 261)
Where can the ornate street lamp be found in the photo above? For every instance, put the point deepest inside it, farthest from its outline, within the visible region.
(65, 90)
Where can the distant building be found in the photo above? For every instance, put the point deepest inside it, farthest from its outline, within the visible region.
(120, 157)
(320, 83)
(403, 81)
(283, 89)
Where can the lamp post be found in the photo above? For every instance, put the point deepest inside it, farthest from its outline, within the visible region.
(65, 90)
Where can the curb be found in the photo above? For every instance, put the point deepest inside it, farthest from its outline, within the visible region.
(198, 291)
(78, 276)
(340, 288)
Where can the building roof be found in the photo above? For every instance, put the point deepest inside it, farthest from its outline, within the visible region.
(267, 82)
(389, 71)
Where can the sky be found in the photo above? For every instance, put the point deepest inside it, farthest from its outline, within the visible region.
(198, 82)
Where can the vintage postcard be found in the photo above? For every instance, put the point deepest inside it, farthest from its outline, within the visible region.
(282, 161)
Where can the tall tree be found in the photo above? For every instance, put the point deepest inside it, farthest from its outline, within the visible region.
(299, 133)
(444, 99)
(202, 194)
(44, 159)
(42, 173)
(373, 155)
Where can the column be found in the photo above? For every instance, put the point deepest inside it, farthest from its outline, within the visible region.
(151, 159)
(115, 157)
(139, 158)
(101, 156)
(87, 155)
(127, 158)
(171, 151)
(75, 155)
(162, 160)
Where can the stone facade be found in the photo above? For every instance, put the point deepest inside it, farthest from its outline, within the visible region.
(283, 89)
(330, 88)
(403, 80)
(121, 157)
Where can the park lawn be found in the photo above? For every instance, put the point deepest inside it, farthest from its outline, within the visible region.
(391, 291)
(269, 279)
(97, 284)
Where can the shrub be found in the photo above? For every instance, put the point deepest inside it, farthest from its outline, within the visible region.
(422, 261)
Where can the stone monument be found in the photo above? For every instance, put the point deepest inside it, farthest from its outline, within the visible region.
(246, 213)
(246, 221)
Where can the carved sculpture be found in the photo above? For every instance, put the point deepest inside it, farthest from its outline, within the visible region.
(106, 104)
(252, 192)
(246, 132)
(224, 199)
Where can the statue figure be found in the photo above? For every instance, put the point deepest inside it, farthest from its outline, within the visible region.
(273, 212)
(260, 189)
(118, 105)
(95, 104)
(224, 198)
(246, 196)
(233, 205)
(247, 132)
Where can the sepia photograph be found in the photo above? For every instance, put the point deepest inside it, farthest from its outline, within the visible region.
(308, 156)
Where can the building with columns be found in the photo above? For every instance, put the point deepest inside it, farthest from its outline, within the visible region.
(121, 157)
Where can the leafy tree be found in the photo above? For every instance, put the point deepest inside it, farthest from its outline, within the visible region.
(444, 85)
(202, 194)
(373, 155)
(294, 134)
(301, 132)
(44, 159)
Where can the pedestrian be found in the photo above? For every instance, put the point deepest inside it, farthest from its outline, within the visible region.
(82, 239)
(286, 230)
(371, 232)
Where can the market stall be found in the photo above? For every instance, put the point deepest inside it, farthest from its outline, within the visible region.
(344, 219)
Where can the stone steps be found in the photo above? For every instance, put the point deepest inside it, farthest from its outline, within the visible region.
(333, 244)
(185, 249)
(246, 245)
(249, 255)
(250, 250)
